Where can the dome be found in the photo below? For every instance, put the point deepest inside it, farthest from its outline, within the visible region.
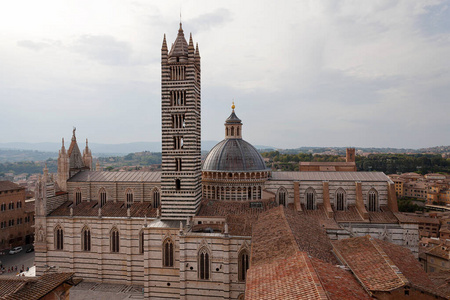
(234, 155)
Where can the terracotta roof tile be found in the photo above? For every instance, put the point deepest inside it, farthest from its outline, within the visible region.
(291, 277)
(407, 264)
(369, 263)
(35, 288)
(110, 209)
(9, 186)
(339, 284)
(240, 215)
(310, 236)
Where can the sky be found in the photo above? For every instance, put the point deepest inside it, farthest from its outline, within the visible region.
(301, 73)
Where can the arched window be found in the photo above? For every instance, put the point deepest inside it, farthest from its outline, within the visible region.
(237, 131)
(168, 253)
(177, 184)
(156, 199)
(373, 200)
(59, 238)
(141, 241)
(232, 131)
(102, 197)
(86, 239)
(340, 199)
(77, 197)
(243, 265)
(114, 237)
(129, 197)
(310, 199)
(282, 196)
(203, 264)
(241, 297)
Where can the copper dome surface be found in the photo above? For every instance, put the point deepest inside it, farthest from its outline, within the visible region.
(234, 155)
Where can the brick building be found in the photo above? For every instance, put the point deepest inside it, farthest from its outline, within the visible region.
(16, 217)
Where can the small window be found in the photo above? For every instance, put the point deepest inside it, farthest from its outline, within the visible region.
(156, 199)
(86, 239)
(141, 241)
(129, 198)
(59, 238)
(168, 253)
(102, 197)
(243, 265)
(115, 240)
(77, 197)
(204, 264)
(178, 184)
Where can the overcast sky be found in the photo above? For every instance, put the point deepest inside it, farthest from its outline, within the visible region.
(302, 73)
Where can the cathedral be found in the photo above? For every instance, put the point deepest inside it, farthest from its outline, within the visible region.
(186, 231)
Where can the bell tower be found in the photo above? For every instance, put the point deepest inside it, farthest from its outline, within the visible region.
(181, 129)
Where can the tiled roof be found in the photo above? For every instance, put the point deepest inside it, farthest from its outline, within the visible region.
(240, 216)
(339, 284)
(317, 163)
(441, 251)
(110, 209)
(9, 285)
(404, 218)
(272, 238)
(9, 186)
(331, 176)
(36, 288)
(310, 236)
(373, 268)
(383, 216)
(291, 259)
(408, 265)
(290, 277)
(441, 281)
(349, 215)
(104, 176)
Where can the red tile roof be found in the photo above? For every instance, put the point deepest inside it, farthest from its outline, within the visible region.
(339, 284)
(370, 265)
(110, 209)
(9, 186)
(32, 288)
(290, 277)
(240, 216)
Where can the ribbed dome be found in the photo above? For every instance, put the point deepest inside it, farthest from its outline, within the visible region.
(234, 155)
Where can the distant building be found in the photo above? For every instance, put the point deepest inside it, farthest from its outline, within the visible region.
(16, 217)
(348, 166)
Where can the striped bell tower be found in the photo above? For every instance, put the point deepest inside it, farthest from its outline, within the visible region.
(181, 129)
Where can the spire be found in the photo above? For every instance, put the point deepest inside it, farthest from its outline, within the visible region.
(191, 49)
(74, 138)
(197, 55)
(164, 45)
(180, 46)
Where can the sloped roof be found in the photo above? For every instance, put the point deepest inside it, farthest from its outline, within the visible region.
(180, 46)
(290, 277)
(33, 288)
(374, 269)
(104, 176)
(110, 209)
(287, 261)
(9, 186)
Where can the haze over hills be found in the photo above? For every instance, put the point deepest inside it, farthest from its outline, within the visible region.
(14, 152)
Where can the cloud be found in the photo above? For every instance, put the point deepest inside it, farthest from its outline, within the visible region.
(36, 46)
(210, 20)
(104, 49)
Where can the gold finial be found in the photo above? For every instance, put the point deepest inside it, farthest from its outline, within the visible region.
(232, 106)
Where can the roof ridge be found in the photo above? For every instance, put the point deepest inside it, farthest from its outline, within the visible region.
(390, 263)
